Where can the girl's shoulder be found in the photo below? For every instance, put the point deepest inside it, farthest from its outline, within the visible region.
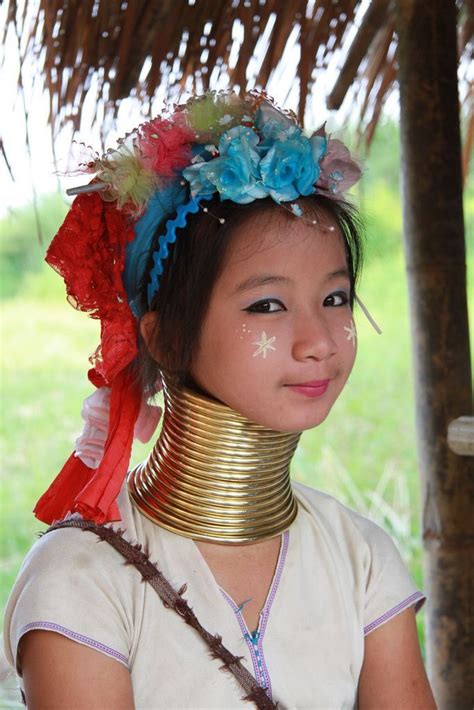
(324, 505)
(351, 532)
(73, 583)
(360, 552)
(70, 550)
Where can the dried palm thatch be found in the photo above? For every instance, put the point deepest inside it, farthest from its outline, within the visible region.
(122, 48)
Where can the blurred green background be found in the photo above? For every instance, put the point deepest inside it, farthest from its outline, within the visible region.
(364, 454)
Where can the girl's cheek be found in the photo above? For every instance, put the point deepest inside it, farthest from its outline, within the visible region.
(244, 332)
(259, 343)
(241, 345)
(349, 342)
(350, 333)
(264, 345)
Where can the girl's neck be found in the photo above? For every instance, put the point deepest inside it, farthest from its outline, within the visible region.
(215, 476)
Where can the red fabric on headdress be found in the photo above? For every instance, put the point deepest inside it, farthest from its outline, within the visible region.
(92, 492)
(165, 146)
(89, 253)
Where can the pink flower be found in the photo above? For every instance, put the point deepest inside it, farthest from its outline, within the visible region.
(338, 170)
(164, 146)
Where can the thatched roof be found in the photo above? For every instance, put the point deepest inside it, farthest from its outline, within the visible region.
(140, 47)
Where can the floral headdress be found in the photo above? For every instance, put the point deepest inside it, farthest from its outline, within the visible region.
(240, 148)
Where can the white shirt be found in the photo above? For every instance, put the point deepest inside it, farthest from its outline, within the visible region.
(339, 576)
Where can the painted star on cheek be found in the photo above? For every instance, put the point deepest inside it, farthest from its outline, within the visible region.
(351, 332)
(264, 345)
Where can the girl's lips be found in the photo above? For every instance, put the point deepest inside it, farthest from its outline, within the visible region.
(311, 389)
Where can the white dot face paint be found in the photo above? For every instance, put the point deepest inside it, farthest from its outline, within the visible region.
(351, 333)
(243, 331)
(264, 345)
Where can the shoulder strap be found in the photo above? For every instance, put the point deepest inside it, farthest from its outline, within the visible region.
(173, 599)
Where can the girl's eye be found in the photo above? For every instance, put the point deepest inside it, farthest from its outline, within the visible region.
(269, 305)
(340, 298)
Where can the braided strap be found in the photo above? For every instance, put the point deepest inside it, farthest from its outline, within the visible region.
(173, 599)
(169, 237)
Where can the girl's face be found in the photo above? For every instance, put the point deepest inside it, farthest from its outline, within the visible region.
(278, 341)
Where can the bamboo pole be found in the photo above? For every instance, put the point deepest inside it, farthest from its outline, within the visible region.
(435, 262)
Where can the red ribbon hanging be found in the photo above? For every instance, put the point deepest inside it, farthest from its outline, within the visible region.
(89, 253)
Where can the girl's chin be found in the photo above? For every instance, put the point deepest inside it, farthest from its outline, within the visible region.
(285, 428)
(288, 424)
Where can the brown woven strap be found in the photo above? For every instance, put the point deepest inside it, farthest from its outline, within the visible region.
(135, 555)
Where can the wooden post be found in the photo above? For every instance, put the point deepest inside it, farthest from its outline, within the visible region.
(435, 262)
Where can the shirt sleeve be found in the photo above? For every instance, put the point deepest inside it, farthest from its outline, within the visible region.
(75, 585)
(389, 587)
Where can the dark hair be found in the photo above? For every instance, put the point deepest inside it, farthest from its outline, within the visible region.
(196, 261)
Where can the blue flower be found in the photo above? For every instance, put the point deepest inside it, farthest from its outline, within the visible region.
(272, 123)
(235, 173)
(271, 132)
(238, 141)
(318, 147)
(289, 169)
(278, 161)
(198, 182)
(193, 174)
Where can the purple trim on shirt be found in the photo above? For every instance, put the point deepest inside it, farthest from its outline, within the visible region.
(268, 605)
(414, 598)
(80, 638)
(245, 634)
(255, 644)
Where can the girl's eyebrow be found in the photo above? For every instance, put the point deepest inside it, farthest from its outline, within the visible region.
(260, 280)
(264, 279)
(343, 271)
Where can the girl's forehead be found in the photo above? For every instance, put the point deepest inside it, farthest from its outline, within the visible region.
(285, 242)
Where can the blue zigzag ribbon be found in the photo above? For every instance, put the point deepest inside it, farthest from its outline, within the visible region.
(169, 237)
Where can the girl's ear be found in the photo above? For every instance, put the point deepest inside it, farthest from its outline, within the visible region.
(148, 331)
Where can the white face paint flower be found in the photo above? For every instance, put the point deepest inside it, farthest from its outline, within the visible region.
(264, 345)
(351, 332)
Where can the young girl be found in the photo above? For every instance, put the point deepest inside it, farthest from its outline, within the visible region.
(217, 249)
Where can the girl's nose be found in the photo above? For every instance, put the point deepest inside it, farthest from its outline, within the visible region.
(313, 339)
